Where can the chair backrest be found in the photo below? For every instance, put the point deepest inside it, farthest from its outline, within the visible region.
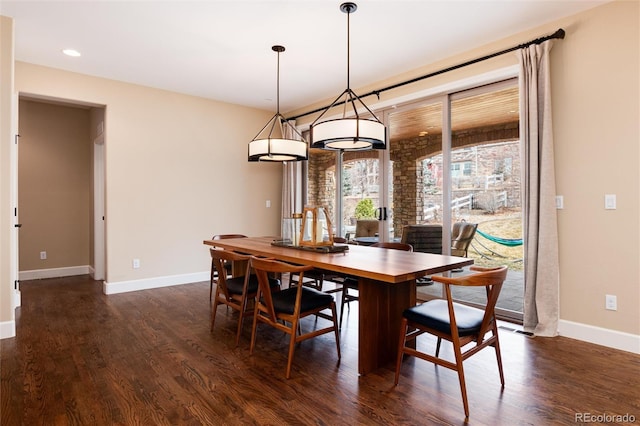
(262, 268)
(425, 238)
(366, 227)
(461, 236)
(219, 258)
(393, 245)
(491, 278)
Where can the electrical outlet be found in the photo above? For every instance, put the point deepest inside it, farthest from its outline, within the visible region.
(136, 263)
(43, 255)
(611, 302)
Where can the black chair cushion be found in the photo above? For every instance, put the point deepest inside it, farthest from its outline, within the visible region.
(284, 301)
(235, 285)
(435, 314)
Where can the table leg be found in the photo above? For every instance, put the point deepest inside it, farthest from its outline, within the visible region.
(380, 313)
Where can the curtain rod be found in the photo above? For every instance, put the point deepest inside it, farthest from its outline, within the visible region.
(558, 34)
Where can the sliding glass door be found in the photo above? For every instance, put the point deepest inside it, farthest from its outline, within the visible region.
(452, 163)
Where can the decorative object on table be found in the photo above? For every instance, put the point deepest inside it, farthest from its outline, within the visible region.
(315, 221)
(353, 133)
(278, 144)
(291, 227)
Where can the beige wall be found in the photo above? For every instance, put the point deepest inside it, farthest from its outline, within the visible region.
(54, 183)
(176, 172)
(176, 166)
(7, 328)
(595, 89)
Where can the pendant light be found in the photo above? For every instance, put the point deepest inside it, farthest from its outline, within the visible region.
(348, 133)
(277, 145)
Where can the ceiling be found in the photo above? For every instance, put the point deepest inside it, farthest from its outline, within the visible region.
(492, 108)
(222, 49)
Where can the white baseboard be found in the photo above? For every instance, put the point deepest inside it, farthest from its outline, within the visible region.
(600, 336)
(148, 283)
(38, 274)
(7, 329)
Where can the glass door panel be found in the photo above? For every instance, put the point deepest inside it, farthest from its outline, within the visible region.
(416, 181)
(485, 188)
(322, 188)
(360, 195)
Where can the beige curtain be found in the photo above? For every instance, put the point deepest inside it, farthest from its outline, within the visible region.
(292, 181)
(541, 296)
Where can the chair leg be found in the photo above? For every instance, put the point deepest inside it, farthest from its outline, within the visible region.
(214, 310)
(335, 327)
(438, 346)
(241, 320)
(496, 346)
(253, 329)
(292, 346)
(343, 298)
(212, 279)
(401, 343)
(463, 386)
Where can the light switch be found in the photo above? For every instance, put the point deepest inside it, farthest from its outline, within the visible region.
(559, 202)
(268, 203)
(610, 201)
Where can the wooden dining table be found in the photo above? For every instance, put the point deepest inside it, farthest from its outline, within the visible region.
(386, 286)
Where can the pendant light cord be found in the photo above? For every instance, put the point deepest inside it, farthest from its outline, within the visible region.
(348, 10)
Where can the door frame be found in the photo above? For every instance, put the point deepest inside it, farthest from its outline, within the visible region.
(99, 256)
(14, 253)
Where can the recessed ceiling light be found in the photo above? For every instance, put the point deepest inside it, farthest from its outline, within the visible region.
(71, 52)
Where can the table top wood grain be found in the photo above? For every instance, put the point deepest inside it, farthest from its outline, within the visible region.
(391, 266)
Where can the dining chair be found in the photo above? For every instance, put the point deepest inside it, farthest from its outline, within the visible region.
(460, 324)
(351, 283)
(214, 272)
(284, 309)
(235, 292)
(425, 238)
(315, 278)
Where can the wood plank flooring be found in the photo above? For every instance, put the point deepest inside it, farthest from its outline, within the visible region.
(148, 358)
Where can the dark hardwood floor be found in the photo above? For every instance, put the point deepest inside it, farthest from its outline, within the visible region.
(148, 358)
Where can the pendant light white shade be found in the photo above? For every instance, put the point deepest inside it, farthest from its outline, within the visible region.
(350, 132)
(275, 149)
(276, 145)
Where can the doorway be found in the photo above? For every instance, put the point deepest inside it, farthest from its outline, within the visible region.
(60, 178)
